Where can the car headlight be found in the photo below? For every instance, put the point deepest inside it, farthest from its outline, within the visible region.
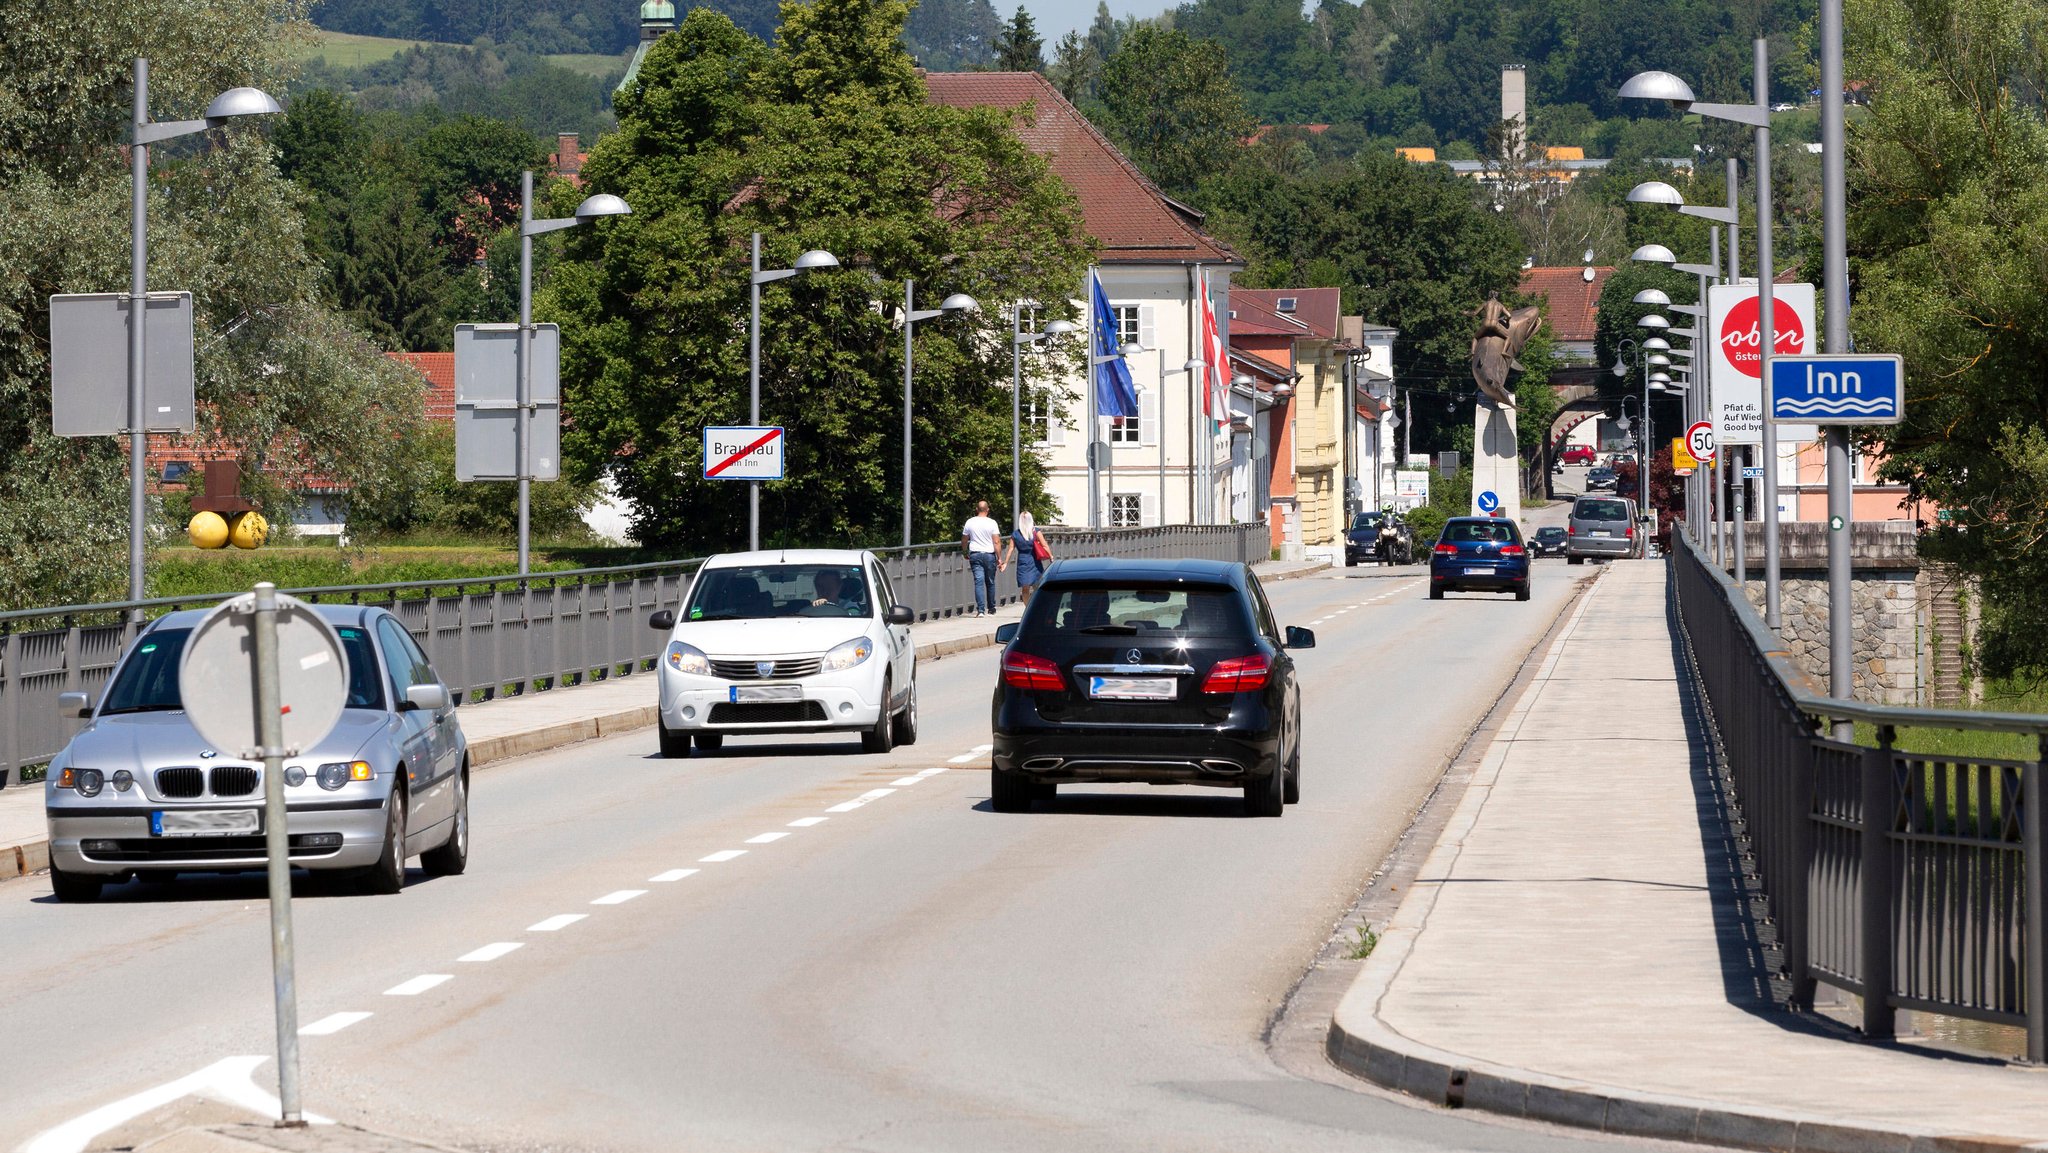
(88, 782)
(687, 659)
(335, 774)
(849, 654)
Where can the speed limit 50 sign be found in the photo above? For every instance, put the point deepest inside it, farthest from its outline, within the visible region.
(1699, 440)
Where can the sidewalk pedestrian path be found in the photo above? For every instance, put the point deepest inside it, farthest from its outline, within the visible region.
(522, 725)
(1573, 950)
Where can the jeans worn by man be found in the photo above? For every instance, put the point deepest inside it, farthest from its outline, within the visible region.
(983, 565)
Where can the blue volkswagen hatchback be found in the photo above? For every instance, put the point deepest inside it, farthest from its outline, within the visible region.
(1485, 554)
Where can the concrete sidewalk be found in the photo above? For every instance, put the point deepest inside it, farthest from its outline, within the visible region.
(1574, 949)
(520, 726)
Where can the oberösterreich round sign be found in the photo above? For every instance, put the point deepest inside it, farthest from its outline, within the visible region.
(217, 679)
(1699, 440)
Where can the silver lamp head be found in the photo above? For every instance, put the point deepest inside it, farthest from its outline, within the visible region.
(1061, 328)
(1658, 86)
(815, 259)
(1659, 359)
(1620, 369)
(1654, 254)
(1660, 379)
(960, 302)
(1653, 320)
(1655, 297)
(1131, 348)
(241, 102)
(1657, 344)
(1655, 192)
(602, 204)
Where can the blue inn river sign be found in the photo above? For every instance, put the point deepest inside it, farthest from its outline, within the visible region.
(1837, 390)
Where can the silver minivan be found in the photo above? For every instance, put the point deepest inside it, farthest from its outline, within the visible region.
(1601, 526)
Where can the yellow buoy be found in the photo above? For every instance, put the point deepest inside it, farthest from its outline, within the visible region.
(249, 530)
(207, 530)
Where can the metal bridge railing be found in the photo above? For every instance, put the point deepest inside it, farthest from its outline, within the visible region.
(493, 636)
(1913, 881)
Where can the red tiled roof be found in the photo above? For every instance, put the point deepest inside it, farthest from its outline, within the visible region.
(1315, 309)
(1574, 300)
(1132, 220)
(439, 369)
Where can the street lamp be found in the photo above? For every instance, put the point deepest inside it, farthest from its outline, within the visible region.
(1194, 370)
(959, 302)
(1018, 339)
(811, 261)
(1654, 297)
(229, 105)
(595, 207)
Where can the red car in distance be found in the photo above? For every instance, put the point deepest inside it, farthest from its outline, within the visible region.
(1576, 454)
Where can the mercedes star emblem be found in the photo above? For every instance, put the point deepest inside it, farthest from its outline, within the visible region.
(1133, 657)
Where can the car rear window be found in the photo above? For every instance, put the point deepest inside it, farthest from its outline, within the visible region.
(1587, 508)
(1137, 610)
(149, 680)
(1476, 531)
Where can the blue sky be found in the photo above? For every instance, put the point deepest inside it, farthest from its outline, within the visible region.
(1056, 18)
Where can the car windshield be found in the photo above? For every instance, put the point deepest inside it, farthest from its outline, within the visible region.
(1476, 531)
(1368, 520)
(1137, 610)
(1586, 508)
(1549, 533)
(149, 680)
(753, 592)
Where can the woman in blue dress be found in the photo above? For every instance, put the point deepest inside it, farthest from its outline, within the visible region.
(1023, 546)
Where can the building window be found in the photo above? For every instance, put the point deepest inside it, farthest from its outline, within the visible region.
(1126, 323)
(1044, 418)
(1126, 510)
(1027, 318)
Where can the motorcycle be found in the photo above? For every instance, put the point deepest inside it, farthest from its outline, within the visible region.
(1396, 545)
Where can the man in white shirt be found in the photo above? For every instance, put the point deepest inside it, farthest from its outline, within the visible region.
(978, 540)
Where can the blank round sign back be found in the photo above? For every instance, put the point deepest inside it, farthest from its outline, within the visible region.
(218, 677)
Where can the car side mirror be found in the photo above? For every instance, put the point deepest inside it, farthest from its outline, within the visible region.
(1005, 633)
(901, 615)
(430, 698)
(1300, 638)
(70, 705)
(663, 620)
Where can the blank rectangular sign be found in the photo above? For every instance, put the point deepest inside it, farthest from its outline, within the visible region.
(486, 402)
(89, 363)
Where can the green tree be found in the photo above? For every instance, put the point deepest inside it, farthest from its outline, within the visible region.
(1169, 102)
(952, 35)
(1075, 68)
(1020, 48)
(824, 140)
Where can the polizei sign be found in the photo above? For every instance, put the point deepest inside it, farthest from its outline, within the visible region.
(1733, 316)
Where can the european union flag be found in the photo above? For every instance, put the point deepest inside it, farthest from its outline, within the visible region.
(1116, 394)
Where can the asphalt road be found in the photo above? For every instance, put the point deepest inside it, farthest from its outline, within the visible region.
(688, 957)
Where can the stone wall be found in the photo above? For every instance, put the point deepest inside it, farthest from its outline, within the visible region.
(1886, 596)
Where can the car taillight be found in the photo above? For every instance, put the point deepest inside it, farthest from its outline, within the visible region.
(1024, 671)
(1238, 675)
(1571, 530)
(1445, 550)
(1631, 533)
(1513, 550)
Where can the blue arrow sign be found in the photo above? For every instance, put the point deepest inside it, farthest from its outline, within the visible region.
(1488, 501)
(1837, 390)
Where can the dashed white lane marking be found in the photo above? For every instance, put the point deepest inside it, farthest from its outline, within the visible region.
(619, 897)
(857, 802)
(490, 952)
(672, 875)
(722, 856)
(807, 822)
(766, 838)
(905, 782)
(972, 753)
(418, 985)
(556, 923)
(226, 1080)
(932, 772)
(332, 1023)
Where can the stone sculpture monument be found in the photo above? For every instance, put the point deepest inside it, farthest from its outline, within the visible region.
(1496, 453)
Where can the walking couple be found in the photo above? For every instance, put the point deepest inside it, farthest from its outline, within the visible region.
(985, 559)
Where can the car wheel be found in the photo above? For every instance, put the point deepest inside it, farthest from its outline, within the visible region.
(906, 721)
(1010, 792)
(1266, 796)
(387, 876)
(710, 742)
(1290, 791)
(1350, 563)
(1522, 591)
(880, 738)
(73, 888)
(451, 856)
(1575, 560)
(1436, 593)
(673, 743)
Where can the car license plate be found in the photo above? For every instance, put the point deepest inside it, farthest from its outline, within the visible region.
(1478, 572)
(1601, 532)
(204, 822)
(755, 693)
(1133, 688)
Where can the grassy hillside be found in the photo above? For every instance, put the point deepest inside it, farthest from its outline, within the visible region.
(346, 50)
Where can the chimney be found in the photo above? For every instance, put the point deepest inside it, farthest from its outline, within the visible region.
(1514, 103)
(568, 158)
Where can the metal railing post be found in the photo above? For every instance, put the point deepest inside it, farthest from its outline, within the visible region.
(2034, 850)
(1876, 948)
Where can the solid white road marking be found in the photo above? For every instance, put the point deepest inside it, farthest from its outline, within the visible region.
(557, 922)
(332, 1023)
(972, 753)
(673, 875)
(767, 838)
(721, 856)
(418, 985)
(807, 822)
(490, 952)
(619, 897)
(226, 1080)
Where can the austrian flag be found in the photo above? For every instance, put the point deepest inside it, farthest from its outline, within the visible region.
(1215, 358)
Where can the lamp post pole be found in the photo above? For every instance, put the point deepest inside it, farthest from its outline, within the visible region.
(909, 326)
(1766, 333)
(1016, 411)
(754, 390)
(138, 308)
(522, 421)
(1835, 288)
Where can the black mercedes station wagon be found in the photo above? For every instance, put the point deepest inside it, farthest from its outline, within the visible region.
(1164, 672)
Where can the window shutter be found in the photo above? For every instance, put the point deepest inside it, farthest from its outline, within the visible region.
(1148, 509)
(1148, 333)
(1148, 416)
(1055, 424)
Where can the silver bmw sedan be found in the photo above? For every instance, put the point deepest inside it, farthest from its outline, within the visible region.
(138, 792)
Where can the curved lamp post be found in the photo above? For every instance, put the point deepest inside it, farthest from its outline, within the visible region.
(955, 304)
(1018, 339)
(811, 261)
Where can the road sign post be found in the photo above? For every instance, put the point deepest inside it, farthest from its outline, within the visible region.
(743, 452)
(265, 677)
